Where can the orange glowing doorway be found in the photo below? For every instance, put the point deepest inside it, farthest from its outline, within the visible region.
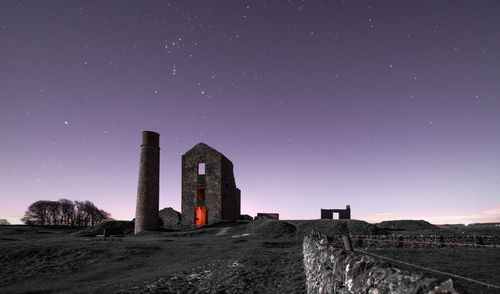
(200, 216)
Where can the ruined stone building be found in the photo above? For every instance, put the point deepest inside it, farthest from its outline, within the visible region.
(343, 213)
(209, 192)
(267, 215)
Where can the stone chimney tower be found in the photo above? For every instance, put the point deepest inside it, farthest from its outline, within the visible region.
(148, 189)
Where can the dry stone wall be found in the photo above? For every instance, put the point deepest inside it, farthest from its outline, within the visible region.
(418, 241)
(330, 269)
(424, 241)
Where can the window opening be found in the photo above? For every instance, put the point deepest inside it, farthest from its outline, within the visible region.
(201, 168)
(201, 193)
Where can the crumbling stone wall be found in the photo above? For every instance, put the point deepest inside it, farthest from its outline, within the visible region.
(330, 269)
(222, 198)
(170, 217)
(343, 213)
(424, 241)
(246, 217)
(230, 194)
(267, 215)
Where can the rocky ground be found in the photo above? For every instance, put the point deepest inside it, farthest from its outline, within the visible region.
(45, 260)
(257, 257)
(262, 269)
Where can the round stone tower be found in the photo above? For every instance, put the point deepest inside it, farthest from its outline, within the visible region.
(148, 189)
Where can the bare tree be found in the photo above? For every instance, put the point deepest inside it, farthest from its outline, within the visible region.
(53, 210)
(103, 215)
(94, 215)
(67, 212)
(64, 212)
(89, 208)
(4, 222)
(36, 214)
(80, 215)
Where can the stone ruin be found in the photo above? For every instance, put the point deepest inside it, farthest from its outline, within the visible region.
(171, 219)
(209, 192)
(148, 188)
(267, 215)
(343, 213)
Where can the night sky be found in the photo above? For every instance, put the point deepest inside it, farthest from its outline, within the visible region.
(392, 107)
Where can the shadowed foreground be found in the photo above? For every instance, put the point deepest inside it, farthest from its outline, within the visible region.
(52, 261)
(262, 256)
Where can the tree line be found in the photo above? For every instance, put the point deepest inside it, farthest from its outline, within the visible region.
(64, 212)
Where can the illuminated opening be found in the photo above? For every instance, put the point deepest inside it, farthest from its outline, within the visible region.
(201, 168)
(200, 216)
(201, 193)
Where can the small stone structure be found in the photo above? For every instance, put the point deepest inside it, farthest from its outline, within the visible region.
(335, 270)
(148, 188)
(343, 213)
(246, 217)
(170, 217)
(209, 192)
(267, 215)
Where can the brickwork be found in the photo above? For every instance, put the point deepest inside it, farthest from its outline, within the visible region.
(221, 197)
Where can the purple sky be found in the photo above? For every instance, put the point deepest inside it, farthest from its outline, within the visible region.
(392, 107)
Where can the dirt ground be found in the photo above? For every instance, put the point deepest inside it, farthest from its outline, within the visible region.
(51, 261)
(257, 257)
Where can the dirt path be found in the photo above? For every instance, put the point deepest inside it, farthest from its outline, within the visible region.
(223, 231)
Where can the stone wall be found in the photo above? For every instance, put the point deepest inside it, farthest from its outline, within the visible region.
(343, 213)
(230, 194)
(191, 181)
(330, 269)
(418, 241)
(222, 198)
(267, 215)
(170, 217)
(424, 241)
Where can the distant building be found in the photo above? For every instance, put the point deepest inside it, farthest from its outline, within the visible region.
(209, 192)
(246, 217)
(267, 215)
(343, 213)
